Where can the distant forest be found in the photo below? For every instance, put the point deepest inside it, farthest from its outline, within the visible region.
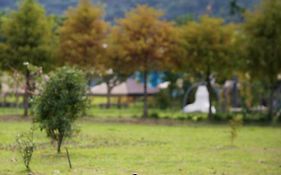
(172, 8)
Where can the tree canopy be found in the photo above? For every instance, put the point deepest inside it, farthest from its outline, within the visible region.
(263, 45)
(28, 36)
(83, 35)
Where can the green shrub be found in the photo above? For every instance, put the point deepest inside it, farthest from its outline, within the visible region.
(61, 102)
(154, 115)
(193, 117)
(163, 100)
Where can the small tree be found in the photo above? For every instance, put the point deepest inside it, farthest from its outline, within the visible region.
(26, 146)
(61, 102)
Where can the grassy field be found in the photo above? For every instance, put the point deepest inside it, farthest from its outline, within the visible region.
(134, 110)
(113, 149)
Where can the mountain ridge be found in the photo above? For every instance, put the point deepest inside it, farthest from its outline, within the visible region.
(117, 8)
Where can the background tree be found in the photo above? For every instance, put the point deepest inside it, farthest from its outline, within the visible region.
(263, 45)
(113, 69)
(27, 33)
(61, 102)
(208, 44)
(147, 42)
(82, 35)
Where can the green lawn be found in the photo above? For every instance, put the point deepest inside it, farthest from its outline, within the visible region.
(120, 149)
(134, 110)
(11, 111)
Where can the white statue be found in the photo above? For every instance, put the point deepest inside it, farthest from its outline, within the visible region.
(201, 103)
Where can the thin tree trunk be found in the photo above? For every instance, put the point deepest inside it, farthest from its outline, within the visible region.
(26, 93)
(16, 94)
(119, 102)
(209, 88)
(145, 107)
(5, 100)
(60, 138)
(17, 99)
(235, 92)
(108, 104)
(270, 105)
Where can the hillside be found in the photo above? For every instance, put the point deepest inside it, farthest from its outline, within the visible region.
(116, 8)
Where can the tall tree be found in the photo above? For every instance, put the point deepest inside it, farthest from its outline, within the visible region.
(28, 37)
(263, 45)
(208, 44)
(147, 42)
(82, 35)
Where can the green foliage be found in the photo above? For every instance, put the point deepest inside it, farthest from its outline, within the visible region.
(26, 146)
(209, 49)
(154, 115)
(235, 123)
(28, 36)
(262, 46)
(263, 41)
(195, 117)
(61, 102)
(208, 44)
(163, 99)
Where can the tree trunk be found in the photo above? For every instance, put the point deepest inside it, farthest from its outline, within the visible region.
(17, 100)
(5, 100)
(209, 88)
(26, 93)
(60, 138)
(108, 103)
(16, 94)
(145, 107)
(235, 93)
(270, 104)
(119, 102)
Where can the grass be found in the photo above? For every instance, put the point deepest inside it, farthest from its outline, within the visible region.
(110, 149)
(125, 113)
(11, 111)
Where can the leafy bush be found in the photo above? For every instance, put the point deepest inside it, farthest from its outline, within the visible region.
(223, 116)
(193, 117)
(25, 146)
(163, 99)
(154, 115)
(61, 102)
